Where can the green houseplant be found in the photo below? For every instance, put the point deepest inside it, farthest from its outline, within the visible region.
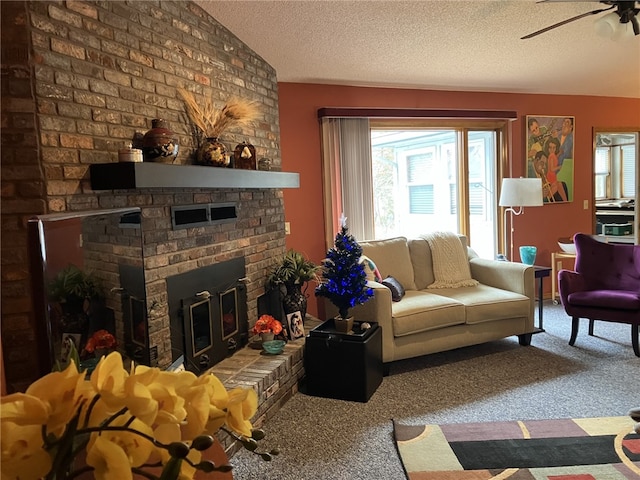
(73, 292)
(290, 275)
(343, 279)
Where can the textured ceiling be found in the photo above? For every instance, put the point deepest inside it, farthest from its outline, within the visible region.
(436, 44)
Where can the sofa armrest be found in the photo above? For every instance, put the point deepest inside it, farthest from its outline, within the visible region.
(376, 309)
(510, 276)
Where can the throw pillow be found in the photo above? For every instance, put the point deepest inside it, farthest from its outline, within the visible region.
(397, 290)
(370, 269)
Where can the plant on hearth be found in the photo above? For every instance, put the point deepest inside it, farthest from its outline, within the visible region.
(74, 293)
(267, 324)
(117, 423)
(343, 279)
(293, 274)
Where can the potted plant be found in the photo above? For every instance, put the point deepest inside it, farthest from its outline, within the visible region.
(344, 281)
(74, 293)
(290, 276)
(267, 327)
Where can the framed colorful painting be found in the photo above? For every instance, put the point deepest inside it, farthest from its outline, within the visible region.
(549, 154)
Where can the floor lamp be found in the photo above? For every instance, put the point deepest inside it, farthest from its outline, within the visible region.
(519, 193)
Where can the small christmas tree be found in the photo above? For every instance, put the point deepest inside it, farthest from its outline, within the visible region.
(344, 281)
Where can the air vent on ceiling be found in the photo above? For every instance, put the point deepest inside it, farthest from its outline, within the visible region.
(201, 215)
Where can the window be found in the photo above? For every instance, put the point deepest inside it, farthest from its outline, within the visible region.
(421, 170)
(418, 178)
(628, 153)
(603, 172)
(615, 172)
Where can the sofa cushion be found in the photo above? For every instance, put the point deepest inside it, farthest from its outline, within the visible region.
(370, 269)
(618, 299)
(397, 290)
(392, 258)
(486, 304)
(423, 262)
(423, 311)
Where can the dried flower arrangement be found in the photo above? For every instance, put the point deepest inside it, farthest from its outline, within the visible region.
(212, 121)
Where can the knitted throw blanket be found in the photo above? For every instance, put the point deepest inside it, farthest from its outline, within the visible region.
(450, 262)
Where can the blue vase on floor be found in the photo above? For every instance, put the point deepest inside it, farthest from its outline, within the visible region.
(528, 254)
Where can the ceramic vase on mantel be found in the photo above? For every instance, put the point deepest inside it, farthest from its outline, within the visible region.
(213, 153)
(343, 325)
(244, 156)
(159, 144)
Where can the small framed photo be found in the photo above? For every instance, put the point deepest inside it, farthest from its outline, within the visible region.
(294, 322)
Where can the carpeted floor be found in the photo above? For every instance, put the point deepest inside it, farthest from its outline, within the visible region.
(325, 439)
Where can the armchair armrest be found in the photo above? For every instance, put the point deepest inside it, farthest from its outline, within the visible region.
(570, 282)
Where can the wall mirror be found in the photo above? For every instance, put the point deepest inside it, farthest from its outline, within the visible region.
(88, 286)
(616, 173)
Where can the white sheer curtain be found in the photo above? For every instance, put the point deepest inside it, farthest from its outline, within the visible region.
(347, 182)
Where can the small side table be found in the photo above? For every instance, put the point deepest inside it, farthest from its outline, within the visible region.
(540, 273)
(554, 273)
(345, 366)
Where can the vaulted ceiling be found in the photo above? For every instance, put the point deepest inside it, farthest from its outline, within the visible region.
(436, 44)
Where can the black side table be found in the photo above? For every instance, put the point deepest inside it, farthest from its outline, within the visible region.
(343, 366)
(540, 273)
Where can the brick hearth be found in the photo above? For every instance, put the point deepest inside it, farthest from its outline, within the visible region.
(274, 377)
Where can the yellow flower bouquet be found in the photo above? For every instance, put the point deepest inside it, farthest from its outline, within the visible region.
(121, 423)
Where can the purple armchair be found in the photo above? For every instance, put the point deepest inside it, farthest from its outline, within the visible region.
(604, 286)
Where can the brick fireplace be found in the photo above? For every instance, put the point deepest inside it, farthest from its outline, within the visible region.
(80, 80)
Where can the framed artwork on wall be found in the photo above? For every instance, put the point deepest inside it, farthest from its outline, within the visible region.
(549, 154)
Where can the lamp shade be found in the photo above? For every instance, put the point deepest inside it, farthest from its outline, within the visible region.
(521, 192)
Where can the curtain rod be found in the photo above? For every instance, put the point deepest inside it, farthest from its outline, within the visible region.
(327, 112)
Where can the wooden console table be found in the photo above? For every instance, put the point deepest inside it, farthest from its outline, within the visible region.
(555, 256)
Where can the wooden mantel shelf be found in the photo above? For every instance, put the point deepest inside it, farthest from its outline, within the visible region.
(134, 175)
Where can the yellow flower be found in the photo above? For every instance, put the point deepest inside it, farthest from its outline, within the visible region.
(205, 400)
(22, 454)
(109, 378)
(169, 433)
(113, 453)
(139, 399)
(171, 407)
(51, 401)
(132, 419)
(24, 409)
(243, 404)
(219, 399)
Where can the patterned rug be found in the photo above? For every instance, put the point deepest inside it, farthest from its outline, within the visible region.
(567, 449)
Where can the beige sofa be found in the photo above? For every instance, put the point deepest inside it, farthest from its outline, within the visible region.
(434, 320)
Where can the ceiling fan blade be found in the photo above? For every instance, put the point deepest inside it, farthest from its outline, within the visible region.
(568, 20)
(634, 24)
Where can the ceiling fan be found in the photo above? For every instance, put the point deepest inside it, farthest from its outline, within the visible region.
(627, 11)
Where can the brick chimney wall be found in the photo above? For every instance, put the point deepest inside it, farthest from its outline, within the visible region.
(81, 80)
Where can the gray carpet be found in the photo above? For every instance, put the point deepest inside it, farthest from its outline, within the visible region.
(325, 439)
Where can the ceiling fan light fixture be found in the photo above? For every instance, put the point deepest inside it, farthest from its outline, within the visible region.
(624, 32)
(607, 25)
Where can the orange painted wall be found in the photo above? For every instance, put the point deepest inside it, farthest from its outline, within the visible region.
(300, 146)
